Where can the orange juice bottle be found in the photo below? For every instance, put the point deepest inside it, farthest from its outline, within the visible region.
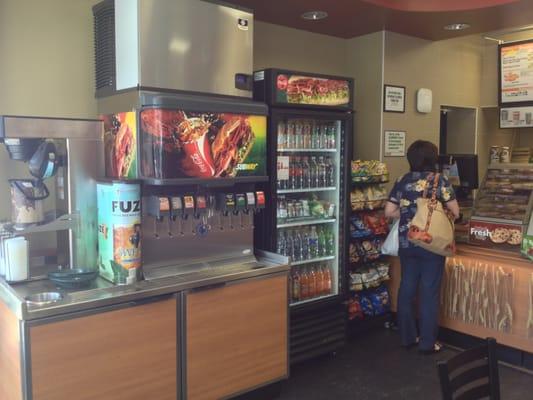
(295, 286)
(304, 285)
(319, 281)
(327, 280)
(312, 283)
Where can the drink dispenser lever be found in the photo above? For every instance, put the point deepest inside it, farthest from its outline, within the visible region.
(177, 212)
(250, 207)
(240, 206)
(227, 206)
(189, 211)
(260, 200)
(159, 208)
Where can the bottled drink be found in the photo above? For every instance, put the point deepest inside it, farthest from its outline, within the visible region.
(306, 173)
(282, 135)
(295, 286)
(312, 283)
(307, 134)
(292, 173)
(313, 243)
(315, 136)
(319, 281)
(305, 246)
(290, 140)
(289, 244)
(330, 243)
(281, 245)
(332, 140)
(313, 171)
(327, 280)
(297, 245)
(304, 285)
(330, 172)
(298, 173)
(321, 243)
(323, 136)
(298, 135)
(321, 172)
(282, 208)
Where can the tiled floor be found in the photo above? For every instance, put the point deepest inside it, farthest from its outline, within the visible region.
(375, 367)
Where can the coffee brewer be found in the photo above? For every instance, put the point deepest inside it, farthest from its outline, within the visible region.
(51, 198)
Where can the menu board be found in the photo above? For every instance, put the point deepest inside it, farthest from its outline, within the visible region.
(516, 72)
(183, 144)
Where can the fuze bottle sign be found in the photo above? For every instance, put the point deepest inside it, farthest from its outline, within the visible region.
(119, 231)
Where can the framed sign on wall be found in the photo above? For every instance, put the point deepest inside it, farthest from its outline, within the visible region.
(394, 144)
(515, 73)
(394, 98)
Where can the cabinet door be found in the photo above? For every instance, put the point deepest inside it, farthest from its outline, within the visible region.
(126, 354)
(236, 337)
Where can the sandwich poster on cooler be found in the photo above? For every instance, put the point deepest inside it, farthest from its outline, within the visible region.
(298, 89)
(183, 144)
(120, 144)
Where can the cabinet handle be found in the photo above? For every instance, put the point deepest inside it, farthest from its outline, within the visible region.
(208, 287)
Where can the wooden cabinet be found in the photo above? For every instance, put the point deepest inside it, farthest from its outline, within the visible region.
(235, 337)
(128, 354)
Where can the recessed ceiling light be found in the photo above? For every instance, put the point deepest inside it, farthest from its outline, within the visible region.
(456, 27)
(314, 15)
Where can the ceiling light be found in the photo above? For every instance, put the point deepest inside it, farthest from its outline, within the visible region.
(456, 27)
(314, 15)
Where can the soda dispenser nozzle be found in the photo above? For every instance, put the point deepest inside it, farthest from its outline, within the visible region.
(227, 206)
(201, 207)
(177, 212)
(260, 200)
(159, 208)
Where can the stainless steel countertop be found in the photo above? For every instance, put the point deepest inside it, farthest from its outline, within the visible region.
(102, 293)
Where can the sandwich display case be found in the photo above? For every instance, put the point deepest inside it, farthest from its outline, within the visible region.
(503, 207)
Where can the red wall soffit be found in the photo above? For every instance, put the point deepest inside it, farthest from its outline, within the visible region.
(438, 5)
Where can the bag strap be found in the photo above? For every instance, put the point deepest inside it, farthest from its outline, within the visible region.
(433, 201)
(428, 179)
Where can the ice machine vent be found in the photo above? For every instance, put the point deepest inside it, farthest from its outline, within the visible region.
(104, 46)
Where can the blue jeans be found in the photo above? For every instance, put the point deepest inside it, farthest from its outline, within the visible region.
(421, 272)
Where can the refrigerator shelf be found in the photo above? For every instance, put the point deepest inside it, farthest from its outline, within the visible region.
(306, 150)
(306, 222)
(313, 260)
(297, 303)
(308, 190)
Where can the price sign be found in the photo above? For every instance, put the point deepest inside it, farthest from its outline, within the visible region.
(394, 143)
(283, 168)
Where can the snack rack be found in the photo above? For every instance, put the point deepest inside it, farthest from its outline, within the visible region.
(367, 269)
(503, 207)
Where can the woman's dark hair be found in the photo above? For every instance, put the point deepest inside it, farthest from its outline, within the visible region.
(422, 156)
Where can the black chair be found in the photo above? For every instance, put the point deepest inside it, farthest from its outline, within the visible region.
(471, 374)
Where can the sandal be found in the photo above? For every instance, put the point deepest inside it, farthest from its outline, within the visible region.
(437, 347)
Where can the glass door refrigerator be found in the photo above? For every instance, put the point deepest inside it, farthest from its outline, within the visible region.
(309, 145)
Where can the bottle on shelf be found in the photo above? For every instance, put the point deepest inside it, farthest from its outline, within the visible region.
(306, 173)
(319, 280)
(315, 136)
(295, 286)
(291, 183)
(290, 134)
(321, 172)
(298, 135)
(330, 172)
(313, 170)
(289, 245)
(312, 283)
(282, 135)
(327, 280)
(307, 134)
(330, 242)
(313, 243)
(306, 255)
(298, 173)
(304, 284)
(281, 247)
(332, 136)
(321, 243)
(323, 136)
(297, 243)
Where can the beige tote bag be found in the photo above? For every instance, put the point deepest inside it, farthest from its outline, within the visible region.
(432, 228)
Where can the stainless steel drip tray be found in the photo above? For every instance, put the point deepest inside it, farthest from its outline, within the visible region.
(203, 270)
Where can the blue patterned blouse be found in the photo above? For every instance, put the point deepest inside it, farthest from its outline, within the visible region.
(407, 190)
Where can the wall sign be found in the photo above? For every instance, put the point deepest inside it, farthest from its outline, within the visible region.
(394, 98)
(516, 72)
(394, 143)
(516, 117)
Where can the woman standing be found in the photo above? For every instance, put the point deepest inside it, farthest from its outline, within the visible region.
(421, 270)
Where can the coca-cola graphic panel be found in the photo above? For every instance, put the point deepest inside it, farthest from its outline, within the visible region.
(176, 143)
